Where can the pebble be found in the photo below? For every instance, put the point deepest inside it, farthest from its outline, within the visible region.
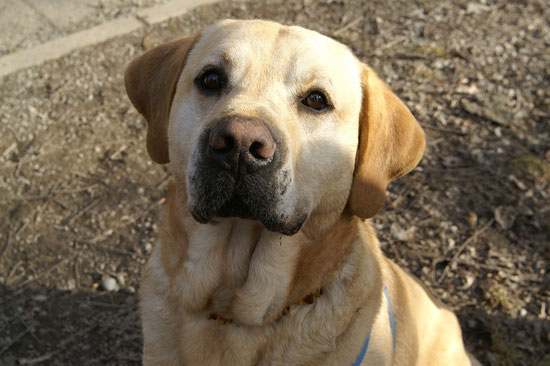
(121, 279)
(40, 298)
(71, 284)
(451, 243)
(109, 284)
(522, 312)
(475, 8)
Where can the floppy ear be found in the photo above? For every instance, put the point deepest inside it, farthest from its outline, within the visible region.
(391, 143)
(150, 81)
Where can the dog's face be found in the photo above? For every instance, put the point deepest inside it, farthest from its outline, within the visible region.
(264, 125)
(272, 123)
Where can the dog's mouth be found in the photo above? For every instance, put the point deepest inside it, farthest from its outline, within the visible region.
(217, 194)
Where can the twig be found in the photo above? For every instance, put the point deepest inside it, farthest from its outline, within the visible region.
(439, 258)
(445, 130)
(9, 149)
(12, 272)
(60, 346)
(46, 272)
(27, 159)
(395, 251)
(95, 245)
(408, 56)
(48, 195)
(71, 219)
(104, 304)
(76, 270)
(11, 238)
(128, 357)
(39, 359)
(145, 212)
(349, 25)
(463, 246)
(14, 341)
(389, 44)
(7, 245)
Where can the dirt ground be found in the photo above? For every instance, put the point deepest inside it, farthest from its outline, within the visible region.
(80, 198)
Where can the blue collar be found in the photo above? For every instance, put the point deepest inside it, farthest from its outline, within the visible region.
(363, 352)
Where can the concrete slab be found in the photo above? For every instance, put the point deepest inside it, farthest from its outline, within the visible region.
(169, 10)
(45, 15)
(64, 14)
(59, 47)
(17, 21)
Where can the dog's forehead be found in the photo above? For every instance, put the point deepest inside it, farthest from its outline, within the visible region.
(275, 46)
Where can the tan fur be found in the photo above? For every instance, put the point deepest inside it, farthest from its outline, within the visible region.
(340, 164)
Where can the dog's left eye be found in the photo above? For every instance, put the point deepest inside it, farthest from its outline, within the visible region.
(210, 81)
(315, 100)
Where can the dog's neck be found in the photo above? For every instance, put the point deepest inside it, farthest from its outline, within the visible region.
(241, 270)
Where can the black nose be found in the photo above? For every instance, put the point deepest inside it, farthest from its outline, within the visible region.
(240, 142)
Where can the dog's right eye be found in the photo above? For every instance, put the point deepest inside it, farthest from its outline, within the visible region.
(210, 81)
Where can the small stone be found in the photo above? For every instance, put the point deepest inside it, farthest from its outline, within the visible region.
(109, 284)
(40, 298)
(402, 235)
(71, 284)
(475, 8)
(438, 64)
(522, 312)
(148, 247)
(148, 42)
(121, 279)
(505, 216)
(472, 219)
(451, 242)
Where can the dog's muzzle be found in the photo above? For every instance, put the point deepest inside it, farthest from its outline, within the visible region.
(239, 173)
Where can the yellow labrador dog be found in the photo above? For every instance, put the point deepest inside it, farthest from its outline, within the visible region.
(281, 144)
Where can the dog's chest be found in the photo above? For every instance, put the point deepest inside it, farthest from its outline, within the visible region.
(296, 338)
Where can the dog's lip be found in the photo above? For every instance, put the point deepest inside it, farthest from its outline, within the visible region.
(289, 228)
(199, 217)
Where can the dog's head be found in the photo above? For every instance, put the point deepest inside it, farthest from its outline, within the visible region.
(273, 123)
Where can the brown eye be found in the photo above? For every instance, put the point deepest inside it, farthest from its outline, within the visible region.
(315, 100)
(210, 81)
